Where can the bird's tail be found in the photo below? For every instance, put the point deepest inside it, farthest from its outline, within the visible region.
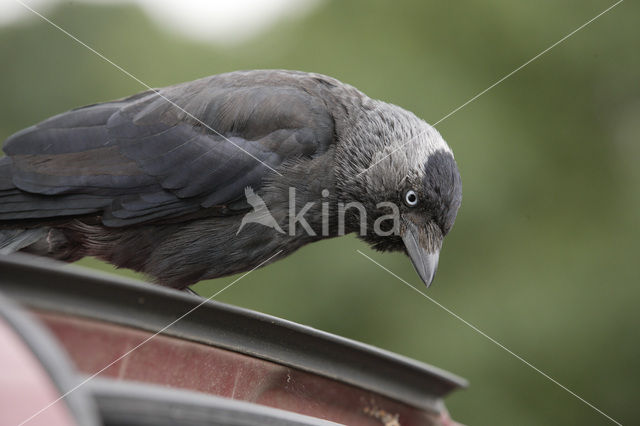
(12, 240)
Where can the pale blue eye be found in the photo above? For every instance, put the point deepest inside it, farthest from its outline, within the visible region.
(411, 198)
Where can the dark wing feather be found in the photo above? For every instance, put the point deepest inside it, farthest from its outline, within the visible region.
(142, 158)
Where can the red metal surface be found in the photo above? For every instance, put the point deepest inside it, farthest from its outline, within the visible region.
(173, 362)
(25, 387)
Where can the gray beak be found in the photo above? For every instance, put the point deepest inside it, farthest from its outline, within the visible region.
(425, 263)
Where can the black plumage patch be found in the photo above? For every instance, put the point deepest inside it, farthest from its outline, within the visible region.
(443, 187)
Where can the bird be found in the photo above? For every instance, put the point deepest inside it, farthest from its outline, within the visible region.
(157, 182)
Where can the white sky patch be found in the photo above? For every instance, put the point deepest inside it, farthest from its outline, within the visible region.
(220, 21)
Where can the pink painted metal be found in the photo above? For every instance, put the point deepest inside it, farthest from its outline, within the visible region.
(25, 387)
(174, 362)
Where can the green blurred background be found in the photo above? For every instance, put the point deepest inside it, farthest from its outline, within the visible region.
(544, 256)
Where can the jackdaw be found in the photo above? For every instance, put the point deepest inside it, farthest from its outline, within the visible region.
(156, 181)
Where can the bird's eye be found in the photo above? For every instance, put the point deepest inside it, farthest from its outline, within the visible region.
(411, 198)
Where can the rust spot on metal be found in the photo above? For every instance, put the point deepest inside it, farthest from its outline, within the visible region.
(386, 418)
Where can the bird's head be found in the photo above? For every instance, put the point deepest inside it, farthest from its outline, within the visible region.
(396, 159)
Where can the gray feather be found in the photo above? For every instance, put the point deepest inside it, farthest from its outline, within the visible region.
(13, 240)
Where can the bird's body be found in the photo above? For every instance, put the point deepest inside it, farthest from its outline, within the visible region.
(156, 182)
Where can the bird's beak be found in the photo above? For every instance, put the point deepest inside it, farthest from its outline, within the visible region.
(426, 263)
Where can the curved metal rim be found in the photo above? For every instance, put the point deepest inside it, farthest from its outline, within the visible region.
(142, 404)
(44, 284)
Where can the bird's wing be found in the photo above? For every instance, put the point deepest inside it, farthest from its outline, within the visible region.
(159, 155)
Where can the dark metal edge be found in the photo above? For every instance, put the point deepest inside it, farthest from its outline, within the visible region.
(124, 402)
(41, 283)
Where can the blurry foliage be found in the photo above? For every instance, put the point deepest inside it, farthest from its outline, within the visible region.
(544, 254)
